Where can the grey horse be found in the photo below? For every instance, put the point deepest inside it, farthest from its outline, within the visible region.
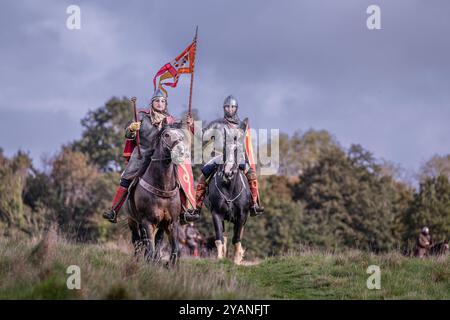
(229, 197)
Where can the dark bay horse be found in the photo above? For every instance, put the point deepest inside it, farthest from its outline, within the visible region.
(229, 197)
(154, 206)
(439, 249)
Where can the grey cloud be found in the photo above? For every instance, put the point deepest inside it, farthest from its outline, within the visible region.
(292, 64)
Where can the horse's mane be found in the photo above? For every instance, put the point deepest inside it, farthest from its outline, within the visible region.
(149, 153)
(147, 159)
(166, 126)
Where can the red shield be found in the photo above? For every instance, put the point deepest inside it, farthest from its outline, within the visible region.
(186, 180)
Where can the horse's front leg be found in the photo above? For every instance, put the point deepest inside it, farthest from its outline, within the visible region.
(237, 237)
(159, 237)
(218, 227)
(135, 237)
(147, 235)
(172, 231)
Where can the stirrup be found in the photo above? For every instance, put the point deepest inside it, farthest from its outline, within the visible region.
(256, 210)
(192, 215)
(111, 216)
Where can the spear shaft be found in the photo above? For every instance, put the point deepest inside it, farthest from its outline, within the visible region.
(192, 74)
(138, 140)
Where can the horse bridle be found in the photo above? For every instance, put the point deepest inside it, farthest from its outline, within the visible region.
(166, 147)
(152, 189)
(230, 201)
(243, 187)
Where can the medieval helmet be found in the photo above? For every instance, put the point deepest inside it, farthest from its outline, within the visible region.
(230, 101)
(425, 230)
(158, 94)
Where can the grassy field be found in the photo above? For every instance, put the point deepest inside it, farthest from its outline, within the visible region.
(37, 270)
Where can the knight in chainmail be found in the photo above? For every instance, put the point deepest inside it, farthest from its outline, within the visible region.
(231, 125)
(423, 243)
(149, 124)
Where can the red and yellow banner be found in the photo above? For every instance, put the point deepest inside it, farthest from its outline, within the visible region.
(184, 63)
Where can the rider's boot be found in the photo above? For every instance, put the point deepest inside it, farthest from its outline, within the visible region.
(194, 215)
(255, 208)
(119, 199)
(196, 253)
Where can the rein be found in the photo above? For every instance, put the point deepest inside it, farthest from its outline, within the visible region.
(230, 201)
(152, 189)
(166, 147)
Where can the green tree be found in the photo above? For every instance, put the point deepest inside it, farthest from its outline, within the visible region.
(103, 135)
(431, 208)
(14, 215)
(349, 202)
(302, 151)
(436, 166)
(80, 194)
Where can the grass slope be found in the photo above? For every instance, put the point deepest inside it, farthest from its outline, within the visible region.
(37, 270)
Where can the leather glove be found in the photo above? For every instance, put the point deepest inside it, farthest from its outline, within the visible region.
(134, 126)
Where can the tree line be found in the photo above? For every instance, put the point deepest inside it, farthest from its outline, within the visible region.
(324, 195)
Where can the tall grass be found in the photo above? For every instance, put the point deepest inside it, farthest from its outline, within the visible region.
(37, 270)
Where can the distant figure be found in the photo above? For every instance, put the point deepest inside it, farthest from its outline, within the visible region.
(193, 238)
(423, 243)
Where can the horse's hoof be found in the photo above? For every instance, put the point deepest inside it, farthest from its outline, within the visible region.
(192, 216)
(238, 253)
(219, 247)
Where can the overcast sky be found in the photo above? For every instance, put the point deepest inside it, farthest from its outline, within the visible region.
(293, 65)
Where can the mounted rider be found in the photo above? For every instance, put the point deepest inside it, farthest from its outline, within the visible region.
(149, 124)
(423, 243)
(229, 123)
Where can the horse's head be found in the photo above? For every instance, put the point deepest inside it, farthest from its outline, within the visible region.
(234, 153)
(230, 165)
(173, 142)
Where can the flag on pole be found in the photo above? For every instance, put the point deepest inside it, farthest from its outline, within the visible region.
(169, 74)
